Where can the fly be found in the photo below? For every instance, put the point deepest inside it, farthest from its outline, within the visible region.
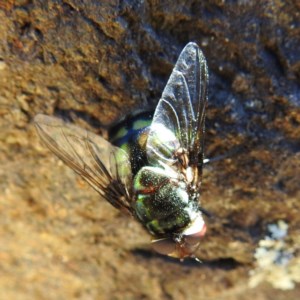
(156, 176)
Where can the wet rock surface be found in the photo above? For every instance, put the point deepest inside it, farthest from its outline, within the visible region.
(91, 63)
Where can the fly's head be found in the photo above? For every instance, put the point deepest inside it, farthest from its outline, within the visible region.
(184, 244)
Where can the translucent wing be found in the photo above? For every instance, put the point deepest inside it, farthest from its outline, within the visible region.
(178, 122)
(105, 167)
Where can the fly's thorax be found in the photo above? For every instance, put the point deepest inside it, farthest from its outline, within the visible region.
(162, 203)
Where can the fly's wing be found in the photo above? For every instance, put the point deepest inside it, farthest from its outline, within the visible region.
(105, 167)
(178, 121)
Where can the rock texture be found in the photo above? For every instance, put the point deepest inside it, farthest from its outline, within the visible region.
(91, 62)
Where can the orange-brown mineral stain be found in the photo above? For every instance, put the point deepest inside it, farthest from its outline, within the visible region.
(7, 5)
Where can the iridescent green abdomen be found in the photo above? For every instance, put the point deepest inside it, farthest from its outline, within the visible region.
(162, 202)
(131, 135)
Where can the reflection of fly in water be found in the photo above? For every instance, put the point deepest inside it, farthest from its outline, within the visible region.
(151, 172)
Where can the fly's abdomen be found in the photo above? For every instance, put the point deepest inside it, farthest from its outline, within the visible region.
(131, 135)
(162, 204)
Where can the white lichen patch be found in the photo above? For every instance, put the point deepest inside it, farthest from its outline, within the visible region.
(276, 262)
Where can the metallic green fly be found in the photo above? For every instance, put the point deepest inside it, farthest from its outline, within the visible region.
(155, 176)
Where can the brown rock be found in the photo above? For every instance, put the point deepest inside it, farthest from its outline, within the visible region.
(93, 61)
